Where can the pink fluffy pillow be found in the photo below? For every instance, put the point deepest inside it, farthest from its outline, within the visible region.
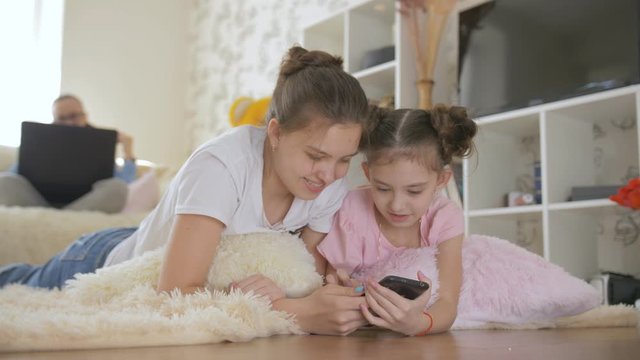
(502, 283)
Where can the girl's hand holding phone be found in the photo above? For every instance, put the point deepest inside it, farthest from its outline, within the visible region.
(394, 312)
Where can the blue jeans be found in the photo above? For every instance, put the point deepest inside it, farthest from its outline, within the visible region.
(85, 255)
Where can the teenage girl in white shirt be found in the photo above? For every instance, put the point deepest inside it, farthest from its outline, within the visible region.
(288, 176)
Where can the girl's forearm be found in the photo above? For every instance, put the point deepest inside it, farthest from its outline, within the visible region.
(443, 312)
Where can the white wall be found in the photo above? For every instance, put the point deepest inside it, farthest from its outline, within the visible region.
(127, 61)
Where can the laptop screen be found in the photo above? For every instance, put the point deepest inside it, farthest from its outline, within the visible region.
(63, 162)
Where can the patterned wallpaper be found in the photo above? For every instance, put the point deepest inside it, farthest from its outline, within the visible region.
(619, 232)
(236, 49)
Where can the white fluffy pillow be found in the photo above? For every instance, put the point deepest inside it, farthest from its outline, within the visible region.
(279, 256)
(8, 157)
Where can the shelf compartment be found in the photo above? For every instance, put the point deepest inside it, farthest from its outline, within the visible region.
(378, 81)
(591, 144)
(587, 240)
(523, 229)
(371, 27)
(328, 35)
(507, 152)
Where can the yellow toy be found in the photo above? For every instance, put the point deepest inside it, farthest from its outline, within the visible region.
(247, 111)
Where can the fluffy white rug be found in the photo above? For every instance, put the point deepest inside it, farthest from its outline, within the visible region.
(118, 306)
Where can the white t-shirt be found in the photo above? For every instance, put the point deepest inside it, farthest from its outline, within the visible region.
(223, 179)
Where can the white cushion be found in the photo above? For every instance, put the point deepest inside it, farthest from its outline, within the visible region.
(8, 156)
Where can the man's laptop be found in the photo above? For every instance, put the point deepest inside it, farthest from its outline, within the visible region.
(63, 162)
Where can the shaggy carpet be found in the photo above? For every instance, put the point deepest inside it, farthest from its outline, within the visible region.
(119, 307)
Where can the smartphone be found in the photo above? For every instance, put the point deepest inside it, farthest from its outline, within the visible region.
(407, 288)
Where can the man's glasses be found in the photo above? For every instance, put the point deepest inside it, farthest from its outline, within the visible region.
(70, 117)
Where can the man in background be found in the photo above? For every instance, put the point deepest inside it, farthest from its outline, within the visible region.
(108, 195)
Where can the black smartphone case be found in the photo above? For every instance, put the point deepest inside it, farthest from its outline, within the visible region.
(407, 288)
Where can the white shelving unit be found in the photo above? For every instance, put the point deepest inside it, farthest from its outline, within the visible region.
(566, 138)
(363, 27)
(561, 137)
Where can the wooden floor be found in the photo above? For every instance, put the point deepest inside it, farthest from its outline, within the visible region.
(610, 343)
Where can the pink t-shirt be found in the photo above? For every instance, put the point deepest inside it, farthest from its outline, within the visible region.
(355, 240)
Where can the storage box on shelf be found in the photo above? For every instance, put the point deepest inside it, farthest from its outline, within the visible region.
(590, 140)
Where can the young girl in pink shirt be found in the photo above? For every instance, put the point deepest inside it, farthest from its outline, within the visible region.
(406, 163)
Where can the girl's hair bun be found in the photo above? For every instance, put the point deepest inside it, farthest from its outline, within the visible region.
(299, 58)
(455, 130)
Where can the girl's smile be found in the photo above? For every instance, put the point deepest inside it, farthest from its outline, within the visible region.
(397, 218)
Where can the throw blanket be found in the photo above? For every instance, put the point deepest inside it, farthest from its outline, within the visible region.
(119, 307)
(33, 235)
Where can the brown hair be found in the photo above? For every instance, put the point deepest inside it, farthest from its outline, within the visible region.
(416, 133)
(314, 82)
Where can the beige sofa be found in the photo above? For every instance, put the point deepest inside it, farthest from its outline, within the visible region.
(33, 235)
